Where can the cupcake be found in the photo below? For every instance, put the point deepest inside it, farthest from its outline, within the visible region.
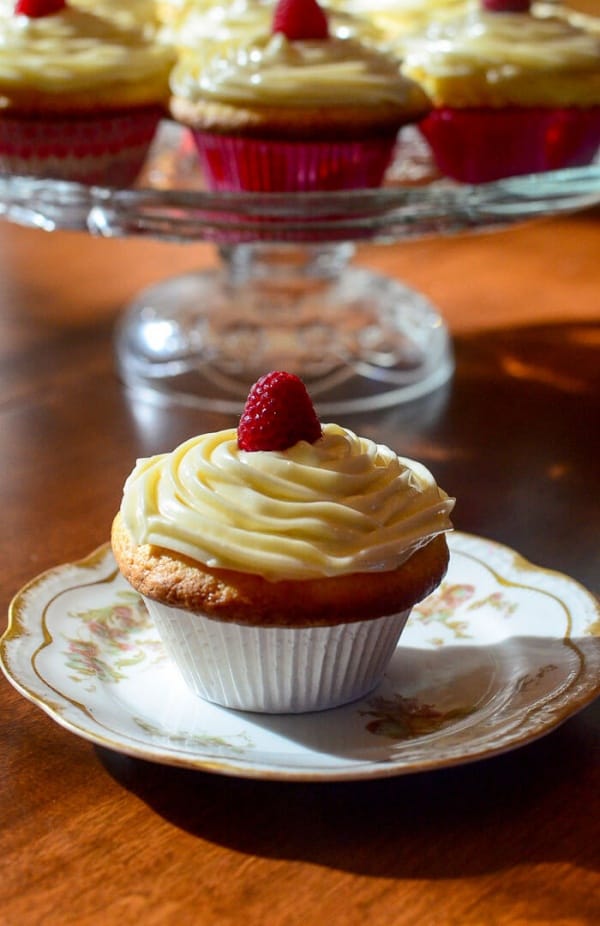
(513, 92)
(81, 92)
(206, 27)
(280, 560)
(395, 20)
(294, 108)
(135, 12)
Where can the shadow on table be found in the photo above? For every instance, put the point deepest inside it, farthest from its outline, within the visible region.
(426, 825)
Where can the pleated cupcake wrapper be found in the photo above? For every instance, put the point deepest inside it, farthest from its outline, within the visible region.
(277, 669)
(246, 164)
(481, 145)
(105, 149)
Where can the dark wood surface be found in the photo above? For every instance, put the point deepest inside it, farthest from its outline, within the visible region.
(90, 836)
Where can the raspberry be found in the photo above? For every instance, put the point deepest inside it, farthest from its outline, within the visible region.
(278, 413)
(37, 8)
(506, 6)
(300, 19)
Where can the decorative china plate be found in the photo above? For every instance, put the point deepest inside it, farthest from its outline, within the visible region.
(501, 654)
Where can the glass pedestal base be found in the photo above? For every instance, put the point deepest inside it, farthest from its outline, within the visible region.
(359, 340)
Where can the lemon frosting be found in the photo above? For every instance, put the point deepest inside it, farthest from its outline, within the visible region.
(134, 12)
(271, 70)
(505, 45)
(396, 18)
(78, 50)
(199, 23)
(217, 23)
(342, 505)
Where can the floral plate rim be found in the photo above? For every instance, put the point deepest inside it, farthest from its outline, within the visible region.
(543, 706)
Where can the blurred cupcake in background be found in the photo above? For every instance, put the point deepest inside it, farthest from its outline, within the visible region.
(513, 92)
(81, 91)
(142, 13)
(295, 107)
(207, 27)
(395, 20)
(588, 21)
(200, 24)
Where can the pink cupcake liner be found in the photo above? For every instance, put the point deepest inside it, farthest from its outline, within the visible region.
(107, 149)
(277, 669)
(255, 165)
(481, 145)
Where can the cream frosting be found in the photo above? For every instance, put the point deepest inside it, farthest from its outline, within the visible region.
(198, 24)
(133, 12)
(396, 18)
(77, 49)
(271, 70)
(504, 44)
(341, 505)
(217, 23)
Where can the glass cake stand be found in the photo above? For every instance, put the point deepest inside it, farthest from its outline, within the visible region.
(286, 294)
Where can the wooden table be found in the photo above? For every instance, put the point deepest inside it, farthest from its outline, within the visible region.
(88, 836)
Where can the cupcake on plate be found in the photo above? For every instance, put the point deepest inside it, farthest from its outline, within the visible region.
(513, 92)
(81, 93)
(280, 561)
(295, 108)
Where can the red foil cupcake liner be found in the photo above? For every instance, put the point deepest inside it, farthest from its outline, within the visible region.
(106, 149)
(480, 145)
(255, 165)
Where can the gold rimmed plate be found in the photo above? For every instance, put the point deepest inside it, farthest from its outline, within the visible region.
(501, 654)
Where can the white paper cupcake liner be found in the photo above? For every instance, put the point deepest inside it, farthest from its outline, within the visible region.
(277, 669)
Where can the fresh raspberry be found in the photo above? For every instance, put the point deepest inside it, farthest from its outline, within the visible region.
(300, 19)
(38, 8)
(506, 6)
(278, 413)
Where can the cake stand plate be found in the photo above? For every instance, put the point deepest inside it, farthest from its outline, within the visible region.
(287, 293)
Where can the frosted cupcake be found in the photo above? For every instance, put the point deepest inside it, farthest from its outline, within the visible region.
(208, 27)
(134, 12)
(395, 20)
(513, 92)
(81, 93)
(296, 108)
(280, 561)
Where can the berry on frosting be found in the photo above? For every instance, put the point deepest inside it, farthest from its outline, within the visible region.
(300, 20)
(35, 9)
(506, 6)
(278, 413)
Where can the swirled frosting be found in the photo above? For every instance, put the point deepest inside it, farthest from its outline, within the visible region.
(504, 44)
(341, 505)
(217, 23)
(396, 18)
(200, 24)
(76, 50)
(271, 70)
